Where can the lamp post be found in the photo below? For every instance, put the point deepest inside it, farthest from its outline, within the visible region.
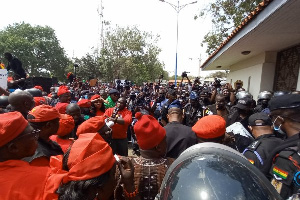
(177, 8)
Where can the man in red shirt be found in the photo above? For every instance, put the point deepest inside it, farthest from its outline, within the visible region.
(18, 179)
(122, 119)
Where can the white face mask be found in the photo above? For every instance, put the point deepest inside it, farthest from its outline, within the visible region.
(278, 129)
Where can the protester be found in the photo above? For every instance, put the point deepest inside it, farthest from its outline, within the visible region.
(178, 136)
(85, 105)
(122, 118)
(64, 97)
(112, 99)
(96, 124)
(219, 108)
(46, 119)
(88, 171)
(212, 128)
(18, 179)
(62, 137)
(21, 101)
(74, 110)
(97, 107)
(152, 165)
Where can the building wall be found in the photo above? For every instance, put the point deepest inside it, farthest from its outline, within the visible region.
(248, 75)
(257, 73)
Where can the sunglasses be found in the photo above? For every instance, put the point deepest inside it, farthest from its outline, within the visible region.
(35, 133)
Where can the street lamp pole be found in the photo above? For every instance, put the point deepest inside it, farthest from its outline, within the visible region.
(177, 8)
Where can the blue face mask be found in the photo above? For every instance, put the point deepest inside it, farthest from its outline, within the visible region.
(278, 129)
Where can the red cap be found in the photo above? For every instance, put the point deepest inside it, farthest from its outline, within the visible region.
(39, 87)
(149, 132)
(91, 125)
(84, 103)
(12, 124)
(66, 125)
(94, 97)
(39, 100)
(90, 157)
(62, 90)
(211, 126)
(61, 107)
(43, 113)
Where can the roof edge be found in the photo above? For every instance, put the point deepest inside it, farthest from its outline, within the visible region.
(261, 6)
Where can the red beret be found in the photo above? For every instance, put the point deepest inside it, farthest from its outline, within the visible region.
(84, 103)
(91, 125)
(61, 107)
(43, 113)
(39, 100)
(66, 125)
(39, 87)
(95, 97)
(149, 132)
(12, 124)
(211, 126)
(62, 90)
(90, 156)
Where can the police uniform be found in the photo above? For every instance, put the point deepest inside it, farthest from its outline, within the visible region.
(192, 115)
(257, 152)
(285, 170)
(285, 163)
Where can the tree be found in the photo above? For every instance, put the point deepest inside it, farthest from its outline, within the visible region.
(130, 54)
(226, 15)
(37, 47)
(218, 74)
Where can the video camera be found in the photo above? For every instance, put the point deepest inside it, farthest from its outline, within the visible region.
(217, 83)
(184, 74)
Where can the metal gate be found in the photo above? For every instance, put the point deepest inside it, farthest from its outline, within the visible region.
(287, 69)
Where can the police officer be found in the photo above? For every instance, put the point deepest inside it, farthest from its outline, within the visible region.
(193, 111)
(262, 102)
(283, 165)
(265, 141)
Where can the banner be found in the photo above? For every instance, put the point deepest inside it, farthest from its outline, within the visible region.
(3, 78)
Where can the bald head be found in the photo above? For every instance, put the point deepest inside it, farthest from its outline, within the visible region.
(74, 110)
(72, 107)
(21, 101)
(175, 115)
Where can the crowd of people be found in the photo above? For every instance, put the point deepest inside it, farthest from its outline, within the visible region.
(114, 141)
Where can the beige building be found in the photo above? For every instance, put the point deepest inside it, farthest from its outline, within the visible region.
(264, 51)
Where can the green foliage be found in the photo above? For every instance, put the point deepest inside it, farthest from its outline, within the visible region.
(37, 47)
(218, 74)
(130, 54)
(226, 15)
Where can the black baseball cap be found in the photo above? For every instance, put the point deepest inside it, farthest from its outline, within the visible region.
(259, 119)
(113, 91)
(244, 103)
(285, 102)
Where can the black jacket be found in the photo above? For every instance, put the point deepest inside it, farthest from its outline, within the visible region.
(179, 138)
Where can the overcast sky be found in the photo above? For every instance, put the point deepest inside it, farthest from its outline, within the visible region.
(76, 23)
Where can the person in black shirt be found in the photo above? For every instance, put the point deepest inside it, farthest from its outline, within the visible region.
(265, 141)
(15, 65)
(179, 137)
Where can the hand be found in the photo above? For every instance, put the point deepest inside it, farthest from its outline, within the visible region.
(127, 171)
